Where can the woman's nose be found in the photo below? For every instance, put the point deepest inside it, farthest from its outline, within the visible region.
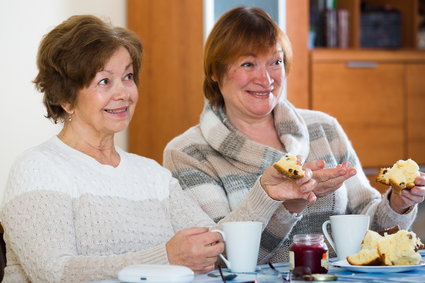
(121, 92)
(264, 78)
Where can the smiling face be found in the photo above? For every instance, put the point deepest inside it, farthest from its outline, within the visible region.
(252, 85)
(107, 104)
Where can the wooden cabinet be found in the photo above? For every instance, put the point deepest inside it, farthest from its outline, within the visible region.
(367, 99)
(378, 97)
(170, 92)
(415, 84)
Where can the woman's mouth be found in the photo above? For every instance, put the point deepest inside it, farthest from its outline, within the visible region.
(260, 93)
(117, 110)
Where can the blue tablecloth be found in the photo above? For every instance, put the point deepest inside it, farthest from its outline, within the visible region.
(416, 275)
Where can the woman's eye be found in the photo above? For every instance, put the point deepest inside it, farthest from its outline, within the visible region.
(103, 82)
(278, 62)
(247, 64)
(129, 76)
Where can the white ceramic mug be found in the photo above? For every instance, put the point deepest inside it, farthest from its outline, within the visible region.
(242, 243)
(348, 232)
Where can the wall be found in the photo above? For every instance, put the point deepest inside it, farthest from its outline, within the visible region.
(22, 25)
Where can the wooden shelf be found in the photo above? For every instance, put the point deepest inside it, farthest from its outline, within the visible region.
(377, 96)
(409, 18)
(381, 55)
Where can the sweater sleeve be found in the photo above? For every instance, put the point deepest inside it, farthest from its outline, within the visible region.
(364, 199)
(200, 182)
(34, 218)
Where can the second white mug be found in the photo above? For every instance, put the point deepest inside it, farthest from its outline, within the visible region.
(242, 243)
(348, 232)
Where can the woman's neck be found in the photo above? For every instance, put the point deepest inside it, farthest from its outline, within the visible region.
(99, 147)
(261, 130)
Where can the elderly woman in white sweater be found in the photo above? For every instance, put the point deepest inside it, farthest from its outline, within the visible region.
(78, 208)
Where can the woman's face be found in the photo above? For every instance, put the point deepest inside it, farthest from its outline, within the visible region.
(107, 104)
(252, 85)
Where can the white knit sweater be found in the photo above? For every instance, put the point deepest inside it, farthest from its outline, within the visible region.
(68, 218)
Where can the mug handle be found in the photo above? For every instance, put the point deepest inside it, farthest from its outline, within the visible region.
(224, 239)
(328, 237)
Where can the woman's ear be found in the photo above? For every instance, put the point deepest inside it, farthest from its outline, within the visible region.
(68, 108)
(213, 78)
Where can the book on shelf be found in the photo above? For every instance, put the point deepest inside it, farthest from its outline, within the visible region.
(317, 37)
(343, 28)
(331, 28)
(328, 25)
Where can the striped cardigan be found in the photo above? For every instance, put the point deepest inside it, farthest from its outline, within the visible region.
(219, 166)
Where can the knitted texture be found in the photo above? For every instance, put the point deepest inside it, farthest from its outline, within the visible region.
(68, 218)
(219, 165)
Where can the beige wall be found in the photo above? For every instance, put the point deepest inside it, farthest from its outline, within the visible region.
(22, 25)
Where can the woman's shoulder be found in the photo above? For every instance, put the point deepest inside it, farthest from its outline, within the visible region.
(33, 169)
(190, 137)
(37, 155)
(315, 116)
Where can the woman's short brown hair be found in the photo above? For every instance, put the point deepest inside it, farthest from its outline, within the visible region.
(239, 31)
(71, 54)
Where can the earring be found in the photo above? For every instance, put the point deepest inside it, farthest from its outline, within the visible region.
(69, 118)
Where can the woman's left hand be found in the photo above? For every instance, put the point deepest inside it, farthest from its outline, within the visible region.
(400, 203)
(330, 179)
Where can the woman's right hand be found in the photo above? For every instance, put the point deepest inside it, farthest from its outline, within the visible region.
(196, 248)
(279, 187)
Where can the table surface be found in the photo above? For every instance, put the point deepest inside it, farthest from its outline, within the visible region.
(415, 275)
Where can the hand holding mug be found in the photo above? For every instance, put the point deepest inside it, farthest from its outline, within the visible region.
(196, 248)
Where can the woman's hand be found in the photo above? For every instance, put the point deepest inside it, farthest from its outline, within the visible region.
(331, 179)
(400, 203)
(196, 248)
(279, 187)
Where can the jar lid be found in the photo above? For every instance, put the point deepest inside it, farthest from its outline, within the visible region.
(308, 238)
(321, 277)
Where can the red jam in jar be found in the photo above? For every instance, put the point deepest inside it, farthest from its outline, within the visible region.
(309, 250)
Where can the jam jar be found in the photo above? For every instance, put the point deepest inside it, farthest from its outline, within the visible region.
(309, 250)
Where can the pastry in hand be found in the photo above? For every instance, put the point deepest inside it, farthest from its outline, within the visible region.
(289, 167)
(400, 176)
